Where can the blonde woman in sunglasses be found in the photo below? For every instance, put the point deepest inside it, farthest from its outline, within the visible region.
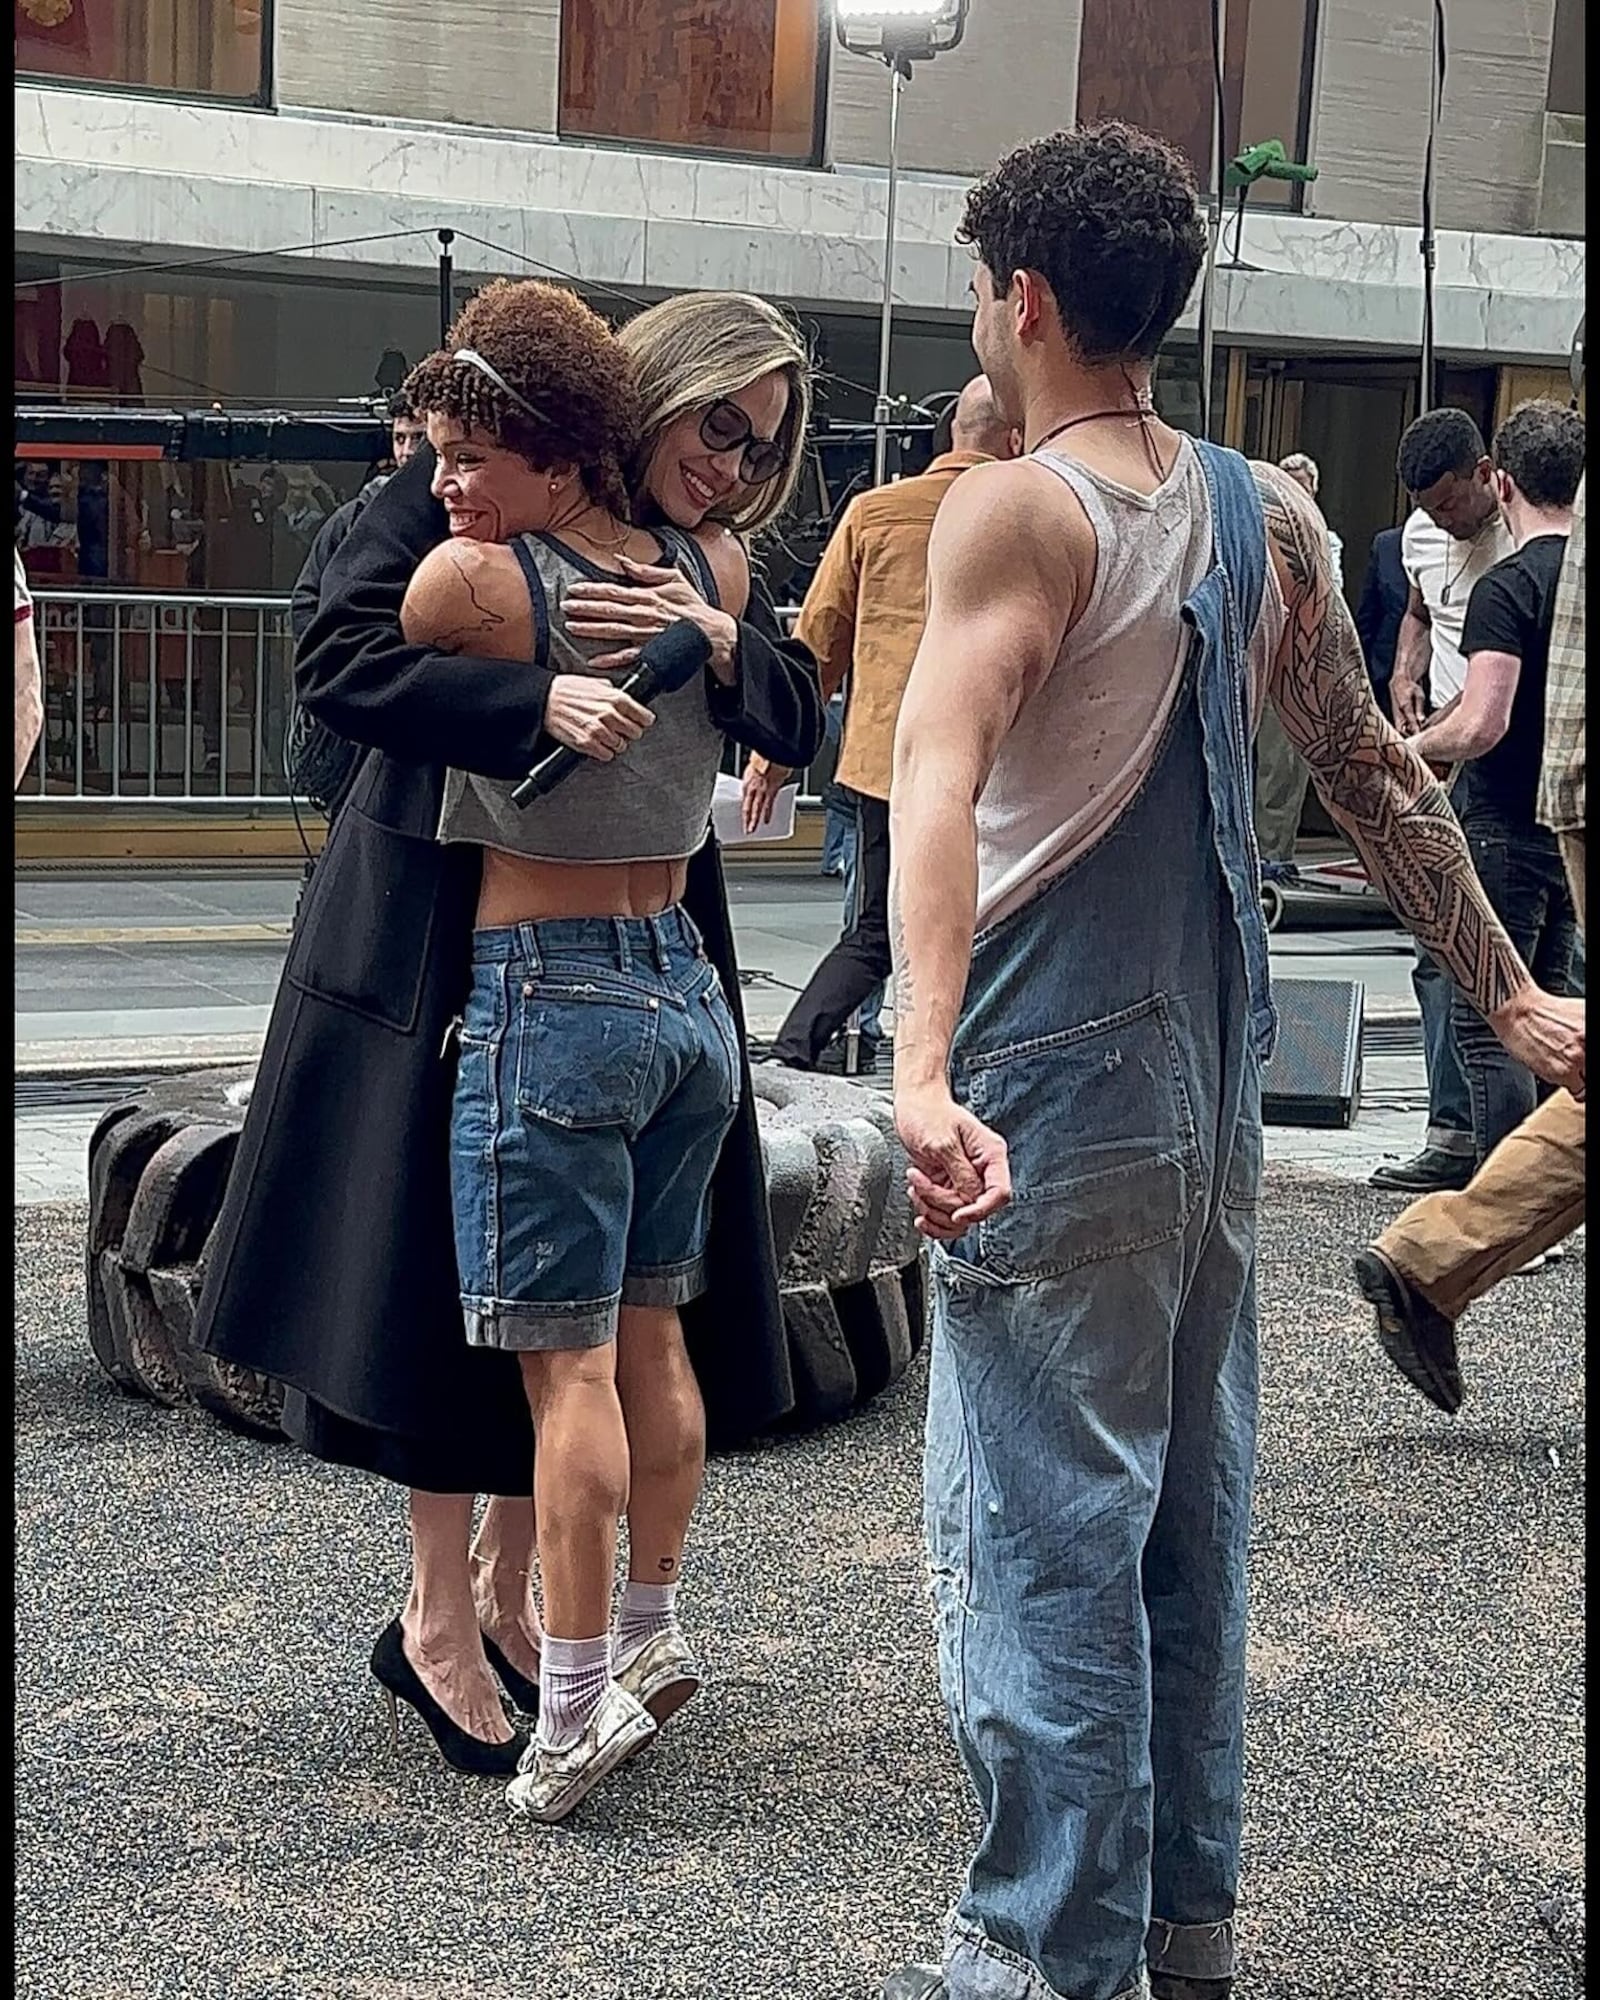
(725, 388)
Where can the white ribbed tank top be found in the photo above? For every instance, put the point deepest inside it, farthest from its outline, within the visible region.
(1085, 740)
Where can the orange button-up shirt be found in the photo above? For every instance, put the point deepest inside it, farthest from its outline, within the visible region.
(864, 612)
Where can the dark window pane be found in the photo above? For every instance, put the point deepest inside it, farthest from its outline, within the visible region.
(1150, 62)
(205, 48)
(1566, 59)
(700, 75)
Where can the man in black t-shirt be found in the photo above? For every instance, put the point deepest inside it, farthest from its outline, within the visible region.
(1495, 727)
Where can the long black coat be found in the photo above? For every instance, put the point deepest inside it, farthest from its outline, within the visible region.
(333, 1263)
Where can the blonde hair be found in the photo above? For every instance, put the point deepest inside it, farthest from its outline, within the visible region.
(696, 349)
(1302, 461)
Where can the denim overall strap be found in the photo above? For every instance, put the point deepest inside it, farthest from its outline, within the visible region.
(1223, 610)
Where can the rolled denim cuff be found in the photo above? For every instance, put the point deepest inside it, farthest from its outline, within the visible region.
(989, 1969)
(669, 1285)
(518, 1327)
(1190, 1951)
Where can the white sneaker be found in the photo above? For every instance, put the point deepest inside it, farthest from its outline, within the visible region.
(663, 1674)
(551, 1782)
(1534, 1265)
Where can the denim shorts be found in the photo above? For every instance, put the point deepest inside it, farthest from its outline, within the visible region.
(599, 1073)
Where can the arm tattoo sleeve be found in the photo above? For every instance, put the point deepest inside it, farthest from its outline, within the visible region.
(1382, 794)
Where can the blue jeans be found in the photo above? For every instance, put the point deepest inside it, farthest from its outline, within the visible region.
(1522, 875)
(1092, 1392)
(598, 1076)
(872, 1006)
(838, 827)
(1449, 1103)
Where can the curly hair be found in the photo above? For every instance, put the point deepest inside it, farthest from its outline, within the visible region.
(1540, 449)
(1436, 444)
(1110, 218)
(572, 399)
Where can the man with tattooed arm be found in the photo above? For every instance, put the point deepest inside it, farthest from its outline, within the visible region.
(1083, 1009)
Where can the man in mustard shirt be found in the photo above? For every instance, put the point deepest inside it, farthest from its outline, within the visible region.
(863, 618)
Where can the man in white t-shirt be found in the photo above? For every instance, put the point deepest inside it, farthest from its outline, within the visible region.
(1453, 535)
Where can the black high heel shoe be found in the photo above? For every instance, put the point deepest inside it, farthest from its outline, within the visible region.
(523, 1692)
(462, 1751)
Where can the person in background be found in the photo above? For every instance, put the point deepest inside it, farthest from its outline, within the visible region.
(406, 432)
(319, 763)
(1495, 732)
(1453, 534)
(1281, 775)
(1303, 469)
(1451, 1248)
(862, 617)
(1384, 596)
(30, 696)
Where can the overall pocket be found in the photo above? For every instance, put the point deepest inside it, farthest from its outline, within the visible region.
(584, 1051)
(1100, 1130)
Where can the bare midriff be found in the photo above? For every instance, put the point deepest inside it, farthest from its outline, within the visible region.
(517, 890)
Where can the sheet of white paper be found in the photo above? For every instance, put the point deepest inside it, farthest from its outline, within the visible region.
(725, 814)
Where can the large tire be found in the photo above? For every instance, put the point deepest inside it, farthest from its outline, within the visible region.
(849, 1264)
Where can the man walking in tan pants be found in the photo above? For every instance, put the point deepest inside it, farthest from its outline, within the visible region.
(1448, 1249)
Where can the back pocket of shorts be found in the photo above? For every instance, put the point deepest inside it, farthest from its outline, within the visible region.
(584, 1053)
(1101, 1136)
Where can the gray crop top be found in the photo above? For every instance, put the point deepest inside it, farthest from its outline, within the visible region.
(651, 804)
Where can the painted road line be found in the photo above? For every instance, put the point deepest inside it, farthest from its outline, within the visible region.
(157, 934)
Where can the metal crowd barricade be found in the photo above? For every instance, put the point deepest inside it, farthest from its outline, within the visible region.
(170, 699)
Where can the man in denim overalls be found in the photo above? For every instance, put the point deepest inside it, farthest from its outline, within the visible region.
(1082, 1011)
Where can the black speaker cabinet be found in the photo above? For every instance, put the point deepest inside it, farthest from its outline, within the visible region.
(1314, 1077)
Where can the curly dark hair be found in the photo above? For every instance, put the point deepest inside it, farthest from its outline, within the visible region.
(1540, 448)
(1438, 443)
(1110, 218)
(577, 406)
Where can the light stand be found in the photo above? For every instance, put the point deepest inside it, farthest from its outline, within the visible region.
(897, 35)
(883, 409)
(1208, 281)
(1436, 65)
(447, 311)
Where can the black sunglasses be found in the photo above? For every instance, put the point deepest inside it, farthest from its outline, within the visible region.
(725, 427)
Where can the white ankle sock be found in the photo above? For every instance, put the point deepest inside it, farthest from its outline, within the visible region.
(647, 1608)
(573, 1675)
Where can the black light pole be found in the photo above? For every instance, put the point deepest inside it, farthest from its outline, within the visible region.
(446, 284)
(1436, 63)
(896, 33)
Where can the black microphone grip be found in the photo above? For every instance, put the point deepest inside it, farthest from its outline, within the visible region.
(667, 662)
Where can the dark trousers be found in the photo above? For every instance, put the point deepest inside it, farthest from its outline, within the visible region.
(1522, 876)
(860, 961)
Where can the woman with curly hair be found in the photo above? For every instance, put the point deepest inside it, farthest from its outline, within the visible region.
(332, 1266)
(599, 1066)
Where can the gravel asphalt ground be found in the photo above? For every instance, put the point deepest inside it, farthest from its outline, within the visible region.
(207, 1805)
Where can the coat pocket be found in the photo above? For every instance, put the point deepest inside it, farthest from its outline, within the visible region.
(366, 931)
(1104, 1159)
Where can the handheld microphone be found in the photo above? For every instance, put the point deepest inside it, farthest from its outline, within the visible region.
(666, 663)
